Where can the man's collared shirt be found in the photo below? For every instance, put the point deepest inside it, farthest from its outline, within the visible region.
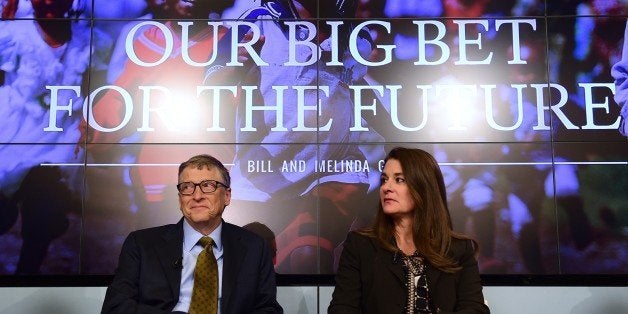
(190, 253)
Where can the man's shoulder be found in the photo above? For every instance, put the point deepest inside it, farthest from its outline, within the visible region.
(155, 231)
(240, 232)
(246, 238)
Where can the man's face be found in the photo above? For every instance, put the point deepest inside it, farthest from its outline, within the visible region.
(203, 211)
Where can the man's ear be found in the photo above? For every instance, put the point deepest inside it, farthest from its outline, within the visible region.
(227, 196)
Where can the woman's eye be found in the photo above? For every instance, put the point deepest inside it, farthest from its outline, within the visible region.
(400, 180)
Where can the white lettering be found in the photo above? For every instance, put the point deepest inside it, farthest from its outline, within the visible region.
(55, 106)
(590, 105)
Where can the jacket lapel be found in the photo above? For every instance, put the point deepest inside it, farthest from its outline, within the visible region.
(389, 261)
(233, 254)
(169, 252)
(433, 274)
(394, 265)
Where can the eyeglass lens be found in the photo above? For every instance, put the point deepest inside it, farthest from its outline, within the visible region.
(207, 186)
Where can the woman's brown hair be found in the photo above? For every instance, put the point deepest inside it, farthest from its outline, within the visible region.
(432, 230)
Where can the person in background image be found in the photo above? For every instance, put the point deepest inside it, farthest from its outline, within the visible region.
(12, 9)
(410, 260)
(589, 47)
(620, 74)
(315, 208)
(182, 117)
(110, 18)
(44, 47)
(149, 46)
(152, 10)
(52, 50)
(45, 201)
(156, 271)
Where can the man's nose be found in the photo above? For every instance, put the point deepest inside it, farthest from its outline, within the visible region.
(197, 192)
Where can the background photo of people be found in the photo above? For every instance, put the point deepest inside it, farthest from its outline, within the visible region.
(523, 104)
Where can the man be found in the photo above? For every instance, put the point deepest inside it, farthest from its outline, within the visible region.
(155, 273)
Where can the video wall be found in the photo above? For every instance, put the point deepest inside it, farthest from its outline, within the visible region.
(522, 102)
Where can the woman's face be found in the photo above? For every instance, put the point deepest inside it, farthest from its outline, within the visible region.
(394, 193)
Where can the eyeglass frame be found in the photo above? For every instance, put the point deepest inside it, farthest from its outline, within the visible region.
(216, 183)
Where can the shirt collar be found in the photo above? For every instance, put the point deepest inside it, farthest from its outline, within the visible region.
(191, 236)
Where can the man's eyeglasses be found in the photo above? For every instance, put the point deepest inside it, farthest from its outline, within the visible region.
(207, 186)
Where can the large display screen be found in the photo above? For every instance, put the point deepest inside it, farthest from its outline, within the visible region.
(523, 104)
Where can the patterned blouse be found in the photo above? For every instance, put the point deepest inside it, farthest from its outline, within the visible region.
(419, 301)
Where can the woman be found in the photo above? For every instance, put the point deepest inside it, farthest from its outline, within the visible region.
(410, 260)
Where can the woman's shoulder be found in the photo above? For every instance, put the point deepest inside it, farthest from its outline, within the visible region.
(460, 247)
(363, 244)
(461, 241)
(359, 235)
(361, 238)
